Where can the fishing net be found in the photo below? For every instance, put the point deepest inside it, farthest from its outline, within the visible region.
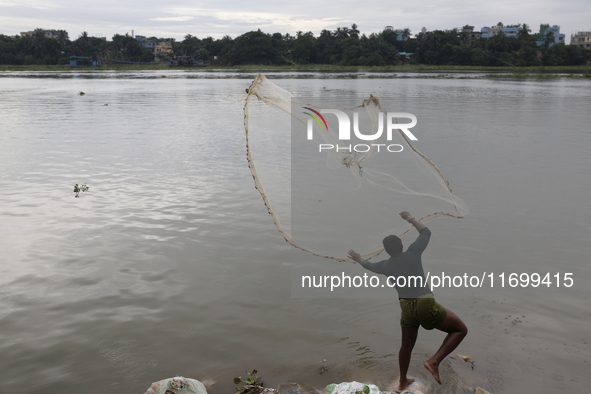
(330, 186)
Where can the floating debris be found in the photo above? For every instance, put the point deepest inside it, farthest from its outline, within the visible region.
(464, 357)
(177, 385)
(78, 189)
(253, 389)
(467, 359)
(253, 379)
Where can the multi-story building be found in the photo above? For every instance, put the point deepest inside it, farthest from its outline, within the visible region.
(470, 33)
(509, 31)
(582, 39)
(156, 46)
(145, 43)
(545, 30)
(163, 46)
(513, 31)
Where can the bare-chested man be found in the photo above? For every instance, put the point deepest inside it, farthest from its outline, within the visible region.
(418, 306)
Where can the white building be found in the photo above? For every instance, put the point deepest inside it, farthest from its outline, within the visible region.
(582, 39)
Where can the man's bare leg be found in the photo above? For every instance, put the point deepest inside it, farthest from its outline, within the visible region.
(409, 338)
(456, 331)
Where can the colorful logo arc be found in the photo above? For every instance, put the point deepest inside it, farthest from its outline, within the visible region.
(317, 118)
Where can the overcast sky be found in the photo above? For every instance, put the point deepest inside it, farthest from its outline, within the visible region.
(177, 18)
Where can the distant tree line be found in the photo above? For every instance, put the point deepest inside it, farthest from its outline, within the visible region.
(343, 46)
(37, 49)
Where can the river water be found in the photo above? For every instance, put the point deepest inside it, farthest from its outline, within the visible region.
(170, 265)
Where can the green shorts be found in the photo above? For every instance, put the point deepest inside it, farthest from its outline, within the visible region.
(423, 311)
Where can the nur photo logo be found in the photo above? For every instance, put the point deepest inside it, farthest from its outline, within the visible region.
(387, 123)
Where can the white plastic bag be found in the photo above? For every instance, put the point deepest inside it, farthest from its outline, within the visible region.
(352, 388)
(177, 385)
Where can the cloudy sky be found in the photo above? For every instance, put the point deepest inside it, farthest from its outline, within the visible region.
(177, 18)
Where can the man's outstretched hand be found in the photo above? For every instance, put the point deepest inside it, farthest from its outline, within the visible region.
(353, 255)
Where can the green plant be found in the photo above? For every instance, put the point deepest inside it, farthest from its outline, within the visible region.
(253, 379)
(78, 189)
(364, 391)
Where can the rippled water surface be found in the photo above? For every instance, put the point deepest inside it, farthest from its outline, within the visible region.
(171, 265)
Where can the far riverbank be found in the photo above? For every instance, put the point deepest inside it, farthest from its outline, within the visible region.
(491, 72)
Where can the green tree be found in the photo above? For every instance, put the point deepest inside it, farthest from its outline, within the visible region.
(341, 33)
(354, 32)
(304, 48)
(527, 56)
(283, 46)
(434, 46)
(548, 39)
(62, 37)
(389, 36)
(350, 50)
(499, 43)
(118, 42)
(376, 59)
(81, 45)
(325, 46)
(8, 51)
(406, 34)
(254, 47)
(523, 32)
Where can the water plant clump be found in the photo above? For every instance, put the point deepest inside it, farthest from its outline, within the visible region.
(253, 379)
(77, 189)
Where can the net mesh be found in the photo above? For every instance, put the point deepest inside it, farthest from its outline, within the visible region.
(327, 195)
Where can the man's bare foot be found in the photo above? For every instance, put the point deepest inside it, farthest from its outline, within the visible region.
(403, 384)
(433, 368)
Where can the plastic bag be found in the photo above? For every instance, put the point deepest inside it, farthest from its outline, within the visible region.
(352, 388)
(356, 387)
(177, 385)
